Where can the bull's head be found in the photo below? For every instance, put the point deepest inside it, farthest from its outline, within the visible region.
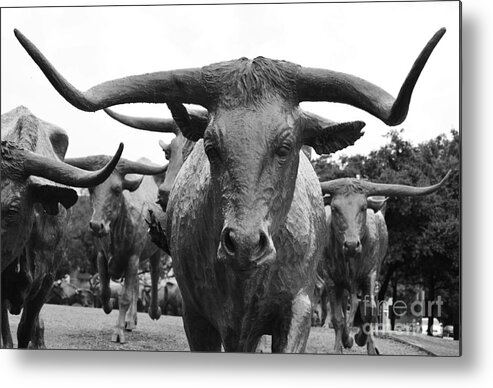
(255, 129)
(175, 152)
(29, 178)
(107, 198)
(349, 200)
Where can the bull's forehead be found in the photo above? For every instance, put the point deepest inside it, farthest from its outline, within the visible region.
(349, 202)
(114, 182)
(249, 124)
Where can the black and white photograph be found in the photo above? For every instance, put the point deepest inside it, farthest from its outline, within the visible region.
(259, 178)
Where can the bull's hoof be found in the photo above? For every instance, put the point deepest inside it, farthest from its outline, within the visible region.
(348, 343)
(337, 349)
(372, 350)
(108, 307)
(361, 338)
(130, 325)
(118, 336)
(36, 346)
(155, 314)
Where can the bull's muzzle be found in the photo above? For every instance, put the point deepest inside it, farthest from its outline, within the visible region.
(352, 247)
(245, 250)
(99, 228)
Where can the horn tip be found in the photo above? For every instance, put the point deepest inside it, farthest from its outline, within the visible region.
(359, 125)
(20, 36)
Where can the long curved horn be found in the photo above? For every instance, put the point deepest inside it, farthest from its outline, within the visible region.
(331, 187)
(326, 85)
(402, 190)
(145, 123)
(184, 85)
(66, 174)
(198, 120)
(130, 167)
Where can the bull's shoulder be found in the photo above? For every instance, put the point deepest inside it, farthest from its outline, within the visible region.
(20, 126)
(304, 229)
(377, 232)
(307, 210)
(191, 184)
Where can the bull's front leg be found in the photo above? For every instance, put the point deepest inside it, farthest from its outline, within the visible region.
(299, 327)
(126, 299)
(336, 294)
(202, 336)
(324, 301)
(38, 338)
(154, 309)
(368, 310)
(6, 334)
(131, 316)
(104, 282)
(32, 306)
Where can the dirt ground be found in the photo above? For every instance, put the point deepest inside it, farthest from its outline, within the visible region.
(70, 327)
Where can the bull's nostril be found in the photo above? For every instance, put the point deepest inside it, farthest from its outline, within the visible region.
(263, 242)
(228, 242)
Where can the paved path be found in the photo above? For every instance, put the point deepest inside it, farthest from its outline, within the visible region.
(434, 346)
(89, 328)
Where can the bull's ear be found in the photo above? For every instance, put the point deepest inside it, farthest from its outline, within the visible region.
(131, 184)
(49, 196)
(327, 200)
(192, 129)
(327, 136)
(376, 203)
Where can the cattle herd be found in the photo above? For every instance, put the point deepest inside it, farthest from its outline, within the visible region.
(253, 234)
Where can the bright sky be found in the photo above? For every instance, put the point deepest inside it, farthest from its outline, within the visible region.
(375, 41)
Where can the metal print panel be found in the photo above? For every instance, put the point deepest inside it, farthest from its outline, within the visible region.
(262, 178)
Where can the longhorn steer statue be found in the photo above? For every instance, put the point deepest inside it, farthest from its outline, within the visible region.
(120, 205)
(356, 245)
(245, 219)
(34, 183)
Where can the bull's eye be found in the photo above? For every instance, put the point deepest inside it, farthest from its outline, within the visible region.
(10, 214)
(167, 154)
(283, 151)
(117, 190)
